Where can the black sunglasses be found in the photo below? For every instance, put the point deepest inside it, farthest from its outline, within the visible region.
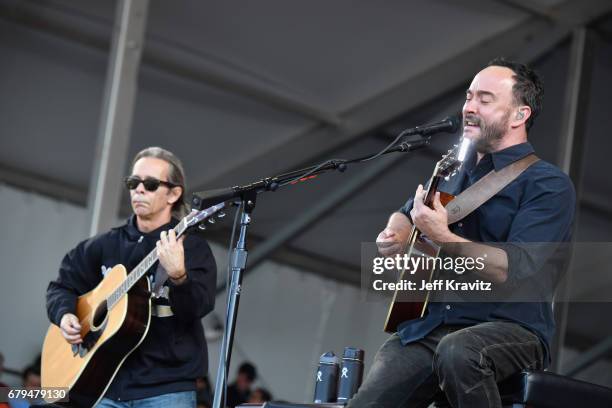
(150, 183)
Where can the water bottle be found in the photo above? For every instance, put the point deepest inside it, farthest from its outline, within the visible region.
(351, 374)
(327, 379)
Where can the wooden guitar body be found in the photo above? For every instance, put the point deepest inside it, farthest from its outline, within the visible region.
(410, 306)
(405, 307)
(109, 337)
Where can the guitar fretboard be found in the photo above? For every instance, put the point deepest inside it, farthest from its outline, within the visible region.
(140, 270)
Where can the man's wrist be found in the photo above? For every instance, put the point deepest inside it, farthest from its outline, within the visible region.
(182, 277)
(61, 313)
(450, 237)
(443, 237)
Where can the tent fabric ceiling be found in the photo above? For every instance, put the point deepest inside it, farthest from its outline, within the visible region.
(332, 55)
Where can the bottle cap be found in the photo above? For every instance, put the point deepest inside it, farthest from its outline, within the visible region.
(353, 353)
(328, 358)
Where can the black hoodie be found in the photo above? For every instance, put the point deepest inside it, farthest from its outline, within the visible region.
(174, 351)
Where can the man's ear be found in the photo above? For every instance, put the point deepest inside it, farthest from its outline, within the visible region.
(521, 116)
(174, 194)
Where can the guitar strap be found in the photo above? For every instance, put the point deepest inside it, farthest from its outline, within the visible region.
(485, 188)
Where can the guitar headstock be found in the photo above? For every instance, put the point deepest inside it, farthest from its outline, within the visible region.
(197, 217)
(452, 161)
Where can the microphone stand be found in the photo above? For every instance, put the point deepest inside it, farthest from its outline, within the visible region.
(248, 197)
(237, 265)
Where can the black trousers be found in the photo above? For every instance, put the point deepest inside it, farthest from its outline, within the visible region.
(464, 362)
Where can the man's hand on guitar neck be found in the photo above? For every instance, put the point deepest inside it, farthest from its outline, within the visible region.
(432, 222)
(71, 328)
(172, 256)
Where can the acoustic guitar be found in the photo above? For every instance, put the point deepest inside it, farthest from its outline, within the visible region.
(400, 308)
(114, 319)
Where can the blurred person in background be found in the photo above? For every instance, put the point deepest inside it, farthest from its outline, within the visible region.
(238, 392)
(30, 380)
(203, 392)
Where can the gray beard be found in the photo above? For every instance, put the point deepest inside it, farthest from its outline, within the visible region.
(491, 135)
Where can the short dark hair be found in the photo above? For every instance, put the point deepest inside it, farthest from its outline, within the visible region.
(249, 370)
(176, 174)
(527, 89)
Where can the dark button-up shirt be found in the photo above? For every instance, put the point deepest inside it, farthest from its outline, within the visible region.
(537, 207)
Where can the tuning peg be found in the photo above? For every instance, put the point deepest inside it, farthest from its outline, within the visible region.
(220, 214)
(202, 227)
(211, 220)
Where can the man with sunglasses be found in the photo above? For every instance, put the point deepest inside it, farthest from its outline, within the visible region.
(162, 371)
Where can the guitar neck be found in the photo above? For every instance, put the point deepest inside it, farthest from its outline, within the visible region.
(141, 269)
(428, 201)
(431, 192)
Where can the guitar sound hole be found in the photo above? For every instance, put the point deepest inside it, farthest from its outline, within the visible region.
(100, 315)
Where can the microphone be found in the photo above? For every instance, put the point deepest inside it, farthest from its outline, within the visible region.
(449, 124)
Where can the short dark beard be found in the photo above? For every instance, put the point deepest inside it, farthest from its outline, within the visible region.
(491, 134)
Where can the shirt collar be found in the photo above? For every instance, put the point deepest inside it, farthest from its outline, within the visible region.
(511, 154)
(504, 157)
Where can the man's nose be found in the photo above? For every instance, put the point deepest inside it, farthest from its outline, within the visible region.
(469, 107)
(140, 189)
